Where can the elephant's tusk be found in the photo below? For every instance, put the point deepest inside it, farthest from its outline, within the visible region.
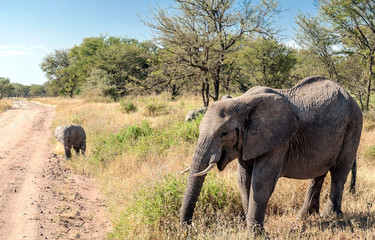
(184, 171)
(204, 172)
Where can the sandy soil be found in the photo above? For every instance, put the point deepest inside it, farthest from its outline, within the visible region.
(40, 198)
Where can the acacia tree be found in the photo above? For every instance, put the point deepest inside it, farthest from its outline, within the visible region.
(61, 74)
(266, 62)
(355, 22)
(126, 66)
(201, 33)
(353, 68)
(166, 74)
(319, 40)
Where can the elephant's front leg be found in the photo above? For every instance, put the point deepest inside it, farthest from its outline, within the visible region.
(68, 154)
(76, 149)
(244, 182)
(266, 172)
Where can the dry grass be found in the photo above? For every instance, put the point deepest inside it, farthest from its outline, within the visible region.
(127, 178)
(5, 104)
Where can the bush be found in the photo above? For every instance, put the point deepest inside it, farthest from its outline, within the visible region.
(156, 109)
(128, 107)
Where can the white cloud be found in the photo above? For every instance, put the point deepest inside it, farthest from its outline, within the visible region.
(17, 49)
(12, 46)
(292, 44)
(14, 53)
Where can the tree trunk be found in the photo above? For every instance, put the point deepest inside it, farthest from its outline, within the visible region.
(205, 93)
(369, 83)
(217, 84)
(174, 91)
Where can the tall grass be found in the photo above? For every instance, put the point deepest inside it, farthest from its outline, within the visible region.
(5, 104)
(136, 157)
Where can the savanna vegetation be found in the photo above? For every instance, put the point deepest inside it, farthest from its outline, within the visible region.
(137, 155)
(5, 104)
(131, 97)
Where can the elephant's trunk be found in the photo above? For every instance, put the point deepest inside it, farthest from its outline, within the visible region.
(203, 155)
(193, 189)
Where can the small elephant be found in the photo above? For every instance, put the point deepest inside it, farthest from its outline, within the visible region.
(193, 114)
(71, 136)
(301, 133)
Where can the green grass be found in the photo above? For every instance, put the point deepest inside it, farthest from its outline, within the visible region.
(157, 206)
(126, 140)
(141, 140)
(370, 153)
(128, 107)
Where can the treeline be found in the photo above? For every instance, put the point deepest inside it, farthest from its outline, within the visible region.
(8, 89)
(213, 48)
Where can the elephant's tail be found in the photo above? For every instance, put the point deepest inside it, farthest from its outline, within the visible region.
(354, 174)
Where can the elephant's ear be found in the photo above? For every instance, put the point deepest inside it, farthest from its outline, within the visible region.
(270, 122)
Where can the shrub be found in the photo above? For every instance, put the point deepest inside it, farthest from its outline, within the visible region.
(156, 109)
(128, 107)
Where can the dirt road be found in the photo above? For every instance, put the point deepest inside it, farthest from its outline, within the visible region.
(40, 198)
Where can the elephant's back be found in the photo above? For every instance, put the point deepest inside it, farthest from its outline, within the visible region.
(328, 114)
(320, 99)
(79, 132)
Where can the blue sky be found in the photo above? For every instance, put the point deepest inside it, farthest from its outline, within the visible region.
(31, 29)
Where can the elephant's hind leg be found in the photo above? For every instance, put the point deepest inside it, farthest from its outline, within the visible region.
(339, 174)
(333, 204)
(311, 203)
(76, 149)
(83, 147)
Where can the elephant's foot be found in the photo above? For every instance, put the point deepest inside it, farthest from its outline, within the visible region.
(298, 227)
(330, 210)
(306, 212)
(256, 231)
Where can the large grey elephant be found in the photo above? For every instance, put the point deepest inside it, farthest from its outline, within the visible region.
(71, 136)
(302, 133)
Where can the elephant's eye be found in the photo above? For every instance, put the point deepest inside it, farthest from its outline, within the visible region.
(223, 134)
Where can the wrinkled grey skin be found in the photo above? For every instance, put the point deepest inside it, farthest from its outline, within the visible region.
(301, 133)
(71, 136)
(193, 114)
